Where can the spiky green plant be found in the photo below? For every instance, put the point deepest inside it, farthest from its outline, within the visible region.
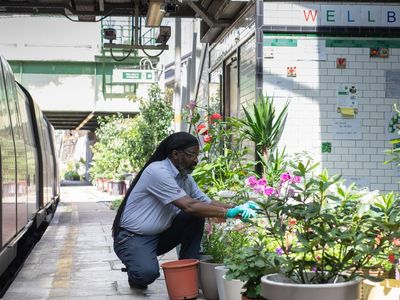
(263, 126)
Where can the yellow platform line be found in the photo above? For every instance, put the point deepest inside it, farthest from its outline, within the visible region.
(62, 277)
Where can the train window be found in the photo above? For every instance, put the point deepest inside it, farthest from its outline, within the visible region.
(20, 149)
(12, 100)
(8, 171)
(4, 118)
(26, 121)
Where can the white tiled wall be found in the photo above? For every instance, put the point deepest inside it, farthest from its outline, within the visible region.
(247, 76)
(313, 107)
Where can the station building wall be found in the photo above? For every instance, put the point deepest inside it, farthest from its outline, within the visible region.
(341, 90)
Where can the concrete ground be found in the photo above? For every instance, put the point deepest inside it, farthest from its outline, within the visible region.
(75, 259)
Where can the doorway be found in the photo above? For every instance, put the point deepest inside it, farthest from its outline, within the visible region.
(231, 99)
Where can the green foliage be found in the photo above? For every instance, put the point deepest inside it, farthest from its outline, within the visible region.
(116, 203)
(71, 171)
(125, 144)
(224, 163)
(394, 152)
(72, 175)
(261, 124)
(320, 225)
(157, 116)
(249, 264)
(221, 239)
(277, 163)
(110, 153)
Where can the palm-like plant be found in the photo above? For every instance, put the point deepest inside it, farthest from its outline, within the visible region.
(394, 152)
(263, 126)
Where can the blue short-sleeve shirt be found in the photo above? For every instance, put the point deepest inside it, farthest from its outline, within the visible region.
(149, 209)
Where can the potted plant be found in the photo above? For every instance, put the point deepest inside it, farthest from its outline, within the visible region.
(118, 186)
(213, 249)
(388, 288)
(324, 232)
(220, 240)
(249, 264)
(263, 126)
(223, 165)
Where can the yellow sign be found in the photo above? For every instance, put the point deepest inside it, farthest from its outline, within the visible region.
(347, 111)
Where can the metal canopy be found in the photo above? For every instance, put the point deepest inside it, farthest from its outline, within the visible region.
(84, 8)
(82, 120)
(215, 14)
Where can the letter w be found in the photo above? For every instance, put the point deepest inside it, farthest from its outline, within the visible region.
(310, 13)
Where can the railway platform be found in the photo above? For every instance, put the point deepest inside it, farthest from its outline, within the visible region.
(75, 260)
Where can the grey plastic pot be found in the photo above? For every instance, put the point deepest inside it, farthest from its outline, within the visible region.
(279, 287)
(208, 282)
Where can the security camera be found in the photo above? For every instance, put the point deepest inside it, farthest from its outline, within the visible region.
(110, 34)
(163, 35)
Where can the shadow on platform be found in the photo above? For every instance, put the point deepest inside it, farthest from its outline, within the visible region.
(75, 183)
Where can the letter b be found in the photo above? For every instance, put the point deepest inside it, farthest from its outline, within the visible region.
(391, 16)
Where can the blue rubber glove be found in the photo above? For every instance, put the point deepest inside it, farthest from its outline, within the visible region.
(252, 205)
(242, 210)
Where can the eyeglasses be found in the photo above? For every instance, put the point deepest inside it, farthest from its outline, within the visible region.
(192, 155)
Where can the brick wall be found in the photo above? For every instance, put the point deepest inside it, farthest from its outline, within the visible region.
(313, 89)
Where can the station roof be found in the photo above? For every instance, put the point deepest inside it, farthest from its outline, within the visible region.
(215, 14)
(82, 120)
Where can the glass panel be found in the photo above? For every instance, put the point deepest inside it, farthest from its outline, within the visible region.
(22, 194)
(214, 90)
(31, 154)
(48, 184)
(8, 203)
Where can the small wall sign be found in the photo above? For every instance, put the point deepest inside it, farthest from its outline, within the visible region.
(326, 147)
(340, 63)
(379, 52)
(291, 72)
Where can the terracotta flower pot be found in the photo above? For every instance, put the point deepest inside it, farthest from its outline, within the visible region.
(181, 278)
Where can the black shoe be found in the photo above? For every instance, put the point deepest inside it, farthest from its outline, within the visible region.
(134, 285)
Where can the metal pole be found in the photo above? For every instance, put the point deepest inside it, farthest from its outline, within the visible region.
(193, 68)
(189, 84)
(259, 48)
(177, 83)
(136, 23)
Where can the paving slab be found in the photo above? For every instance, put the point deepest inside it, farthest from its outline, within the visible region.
(75, 258)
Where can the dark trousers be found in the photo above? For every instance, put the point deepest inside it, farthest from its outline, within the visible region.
(139, 252)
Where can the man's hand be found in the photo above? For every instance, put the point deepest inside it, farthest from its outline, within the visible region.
(252, 205)
(241, 210)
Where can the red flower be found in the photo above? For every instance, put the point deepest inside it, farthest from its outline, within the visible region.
(292, 222)
(391, 257)
(215, 117)
(207, 138)
(202, 129)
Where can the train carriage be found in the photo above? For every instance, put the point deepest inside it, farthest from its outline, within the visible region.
(28, 166)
